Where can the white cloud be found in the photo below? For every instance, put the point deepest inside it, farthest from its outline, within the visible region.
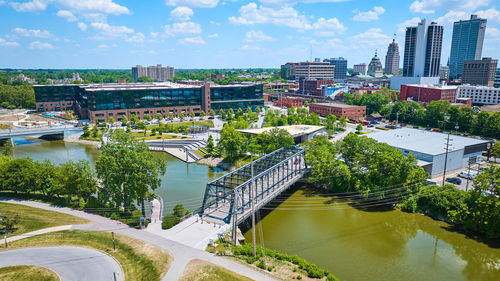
(95, 17)
(192, 40)
(490, 14)
(451, 17)
(193, 3)
(31, 32)
(67, 15)
(80, 6)
(182, 28)
(492, 33)
(373, 37)
(430, 6)
(103, 46)
(41, 45)
(251, 14)
(368, 15)
(256, 36)
(111, 31)
(137, 38)
(293, 2)
(215, 35)
(5, 43)
(82, 26)
(250, 48)
(181, 13)
(411, 22)
(154, 34)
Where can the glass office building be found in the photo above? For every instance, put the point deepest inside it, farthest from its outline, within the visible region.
(340, 73)
(98, 102)
(466, 43)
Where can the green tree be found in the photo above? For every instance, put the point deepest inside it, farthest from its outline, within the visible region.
(128, 170)
(330, 121)
(230, 114)
(306, 104)
(222, 114)
(8, 223)
(124, 120)
(342, 121)
(159, 117)
(434, 114)
(374, 102)
(148, 117)
(17, 175)
(179, 210)
(8, 148)
(77, 179)
(257, 109)
(210, 146)
(191, 114)
(202, 113)
(142, 126)
(359, 128)
(231, 142)
(495, 150)
(182, 116)
(133, 119)
(111, 120)
(170, 116)
(249, 109)
(145, 79)
(212, 112)
(272, 140)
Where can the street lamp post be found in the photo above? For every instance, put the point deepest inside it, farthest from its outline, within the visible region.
(447, 146)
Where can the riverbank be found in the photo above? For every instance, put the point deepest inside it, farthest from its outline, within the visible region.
(75, 138)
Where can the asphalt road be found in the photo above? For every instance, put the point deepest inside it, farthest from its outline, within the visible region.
(70, 263)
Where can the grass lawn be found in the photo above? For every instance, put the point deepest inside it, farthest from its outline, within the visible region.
(140, 135)
(199, 152)
(3, 126)
(139, 260)
(31, 219)
(187, 124)
(27, 273)
(204, 271)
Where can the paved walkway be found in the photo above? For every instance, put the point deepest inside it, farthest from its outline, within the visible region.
(38, 232)
(182, 254)
(68, 262)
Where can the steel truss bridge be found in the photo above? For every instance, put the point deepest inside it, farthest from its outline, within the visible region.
(227, 199)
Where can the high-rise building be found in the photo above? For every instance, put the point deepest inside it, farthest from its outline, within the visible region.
(466, 43)
(392, 59)
(375, 67)
(340, 63)
(496, 82)
(314, 70)
(288, 71)
(360, 69)
(157, 73)
(444, 73)
(479, 72)
(422, 54)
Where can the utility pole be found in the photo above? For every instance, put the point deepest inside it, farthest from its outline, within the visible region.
(253, 204)
(446, 157)
(113, 238)
(468, 176)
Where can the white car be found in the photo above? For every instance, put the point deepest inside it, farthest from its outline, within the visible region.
(467, 175)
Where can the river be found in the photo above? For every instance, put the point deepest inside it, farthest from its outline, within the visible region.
(353, 244)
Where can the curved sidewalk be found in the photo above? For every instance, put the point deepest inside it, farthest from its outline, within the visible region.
(68, 262)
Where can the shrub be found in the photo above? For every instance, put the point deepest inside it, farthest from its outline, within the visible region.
(169, 221)
(261, 264)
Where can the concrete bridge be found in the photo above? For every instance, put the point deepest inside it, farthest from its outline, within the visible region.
(44, 132)
(227, 200)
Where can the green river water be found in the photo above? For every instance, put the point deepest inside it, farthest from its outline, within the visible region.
(354, 244)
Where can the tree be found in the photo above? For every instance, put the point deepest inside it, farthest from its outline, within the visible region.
(495, 150)
(77, 179)
(210, 146)
(148, 117)
(374, 102)
(272, 140)
(145, 79)
(191, 114)
(212, 112)
(179, 210)
(342, 121)
(249, 109)
(111, 120)
(313, 101)
(230, 114)
(170, 116)
(231, 141)
(8, 148)
(434, 113)
(142, 126)
(202, 113)
(306, 104)
(159, 117)
(133, 119)
(359, 128)
(222, 114)
(257, 109)
(8, 223)
(128, 170)
(124, 120)
(16, 175)
(330, 121)
(182, 116)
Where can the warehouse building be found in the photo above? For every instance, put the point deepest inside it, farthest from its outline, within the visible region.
(99, 102)
(430, 148)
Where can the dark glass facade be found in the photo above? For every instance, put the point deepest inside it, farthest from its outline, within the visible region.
(56, 93)
(228, 93)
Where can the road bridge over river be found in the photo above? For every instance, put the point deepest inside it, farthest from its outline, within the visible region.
(227, 200)
(44, 132)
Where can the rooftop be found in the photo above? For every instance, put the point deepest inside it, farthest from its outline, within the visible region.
(433, 86)
(294, 130)
(336, 104)
(140, 86)
(431, 143)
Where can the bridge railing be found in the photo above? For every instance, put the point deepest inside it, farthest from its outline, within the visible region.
(235, 185)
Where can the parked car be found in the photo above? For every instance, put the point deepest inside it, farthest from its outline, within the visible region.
(370, 126)
(375, 122)
(365, 122)
(435, 130)
(467, 175)
(454, 180)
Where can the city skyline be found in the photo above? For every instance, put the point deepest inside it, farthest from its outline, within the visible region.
(220, 34)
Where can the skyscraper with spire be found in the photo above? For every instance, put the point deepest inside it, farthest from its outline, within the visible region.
(392, 59)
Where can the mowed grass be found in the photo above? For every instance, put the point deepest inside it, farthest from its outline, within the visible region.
(27, 273)
(140, 135)
(31, 219)
(198, 270)
(186, 123)
(139, 260)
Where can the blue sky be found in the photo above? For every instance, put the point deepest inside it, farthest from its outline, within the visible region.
(219, 33)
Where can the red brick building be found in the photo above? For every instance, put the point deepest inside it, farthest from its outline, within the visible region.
(427, 93)
(288, 102)
(338, 109)
(312, 87)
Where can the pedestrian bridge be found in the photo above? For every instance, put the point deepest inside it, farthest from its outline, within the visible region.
(44, 132)
(227, 200)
